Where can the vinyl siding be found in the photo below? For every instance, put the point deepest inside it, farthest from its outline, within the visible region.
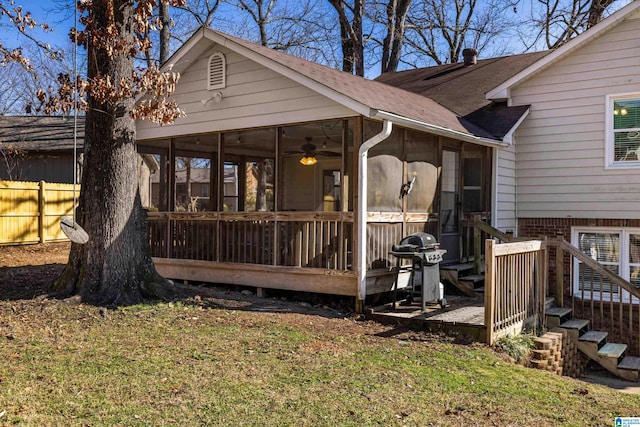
(560, 146)
(255, 96)
(506, 190)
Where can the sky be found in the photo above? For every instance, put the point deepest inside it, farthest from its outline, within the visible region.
(59, 14)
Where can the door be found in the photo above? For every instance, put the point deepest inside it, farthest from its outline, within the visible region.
(450, 205)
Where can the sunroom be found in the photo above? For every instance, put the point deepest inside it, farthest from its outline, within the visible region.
(289, 175)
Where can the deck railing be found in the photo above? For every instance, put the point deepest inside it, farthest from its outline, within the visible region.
(515, 286)
(292, 239)
(608, 301)
(297, 239)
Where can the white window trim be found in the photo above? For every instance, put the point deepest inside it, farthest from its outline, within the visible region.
(223, 83)
(623, 270)
(609, 162)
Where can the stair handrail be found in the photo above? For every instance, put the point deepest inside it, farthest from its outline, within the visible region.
(479, 226)
(596, 266)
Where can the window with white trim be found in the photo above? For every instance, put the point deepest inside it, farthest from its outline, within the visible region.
(216, 72)
(617, 250)
(623, 131)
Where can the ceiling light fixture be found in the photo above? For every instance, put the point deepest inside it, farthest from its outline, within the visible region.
(309, 158)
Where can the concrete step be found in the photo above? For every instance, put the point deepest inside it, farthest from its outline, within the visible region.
(631, 363)
(549, 302)
(474, 279)
(558, 312)
(629, 368)
(598, 338)
(576, 324)
(457, 267)
(556, 316)
(613, 350)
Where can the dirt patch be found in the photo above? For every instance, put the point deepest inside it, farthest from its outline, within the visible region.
(26, 271)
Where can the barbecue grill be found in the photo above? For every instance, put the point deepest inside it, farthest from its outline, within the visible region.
(423, 250)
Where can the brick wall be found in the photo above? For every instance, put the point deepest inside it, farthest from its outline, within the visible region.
(551, 227)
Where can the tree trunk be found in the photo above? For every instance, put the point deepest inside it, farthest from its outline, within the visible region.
(397, 11)
(165, 31)
(114, 267)
(261, 192)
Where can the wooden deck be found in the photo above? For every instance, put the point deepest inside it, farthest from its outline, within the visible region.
(461, 315)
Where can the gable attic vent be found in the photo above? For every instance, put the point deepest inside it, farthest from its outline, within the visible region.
(216, 73)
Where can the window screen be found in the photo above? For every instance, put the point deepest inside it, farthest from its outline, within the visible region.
(626, 130)
(604, 248)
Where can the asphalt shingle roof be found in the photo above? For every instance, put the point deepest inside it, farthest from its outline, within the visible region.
(40, 133)
(462, 88)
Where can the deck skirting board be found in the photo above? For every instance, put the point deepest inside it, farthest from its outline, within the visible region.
(314, 280)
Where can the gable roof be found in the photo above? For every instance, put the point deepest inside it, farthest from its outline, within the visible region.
(41, 133)
(366, 97)
(502, 91)
(462, 88)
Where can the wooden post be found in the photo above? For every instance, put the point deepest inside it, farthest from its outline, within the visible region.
(559, 271)
(489, 288)
(477, 244)
(543, 281)
(42, 207)
(358, 139)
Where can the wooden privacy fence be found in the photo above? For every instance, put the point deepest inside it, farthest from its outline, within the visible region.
(515, 286)
(30, 211)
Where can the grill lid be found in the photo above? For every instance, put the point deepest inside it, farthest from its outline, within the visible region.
(416, 242)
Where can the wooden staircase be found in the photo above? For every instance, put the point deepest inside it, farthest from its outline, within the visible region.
(463, 278)
(594, 344)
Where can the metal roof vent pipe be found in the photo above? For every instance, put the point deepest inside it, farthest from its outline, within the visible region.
(470, 56)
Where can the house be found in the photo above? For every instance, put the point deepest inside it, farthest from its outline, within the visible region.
(535, 144)
(41, 148)
(331, 153)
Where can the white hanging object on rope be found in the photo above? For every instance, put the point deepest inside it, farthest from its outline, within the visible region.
(69, 227)
(73, 231)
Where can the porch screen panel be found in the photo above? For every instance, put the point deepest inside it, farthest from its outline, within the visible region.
(249, 180)
(310, 153)
(421, 152)
(193, 184)
(385, 174)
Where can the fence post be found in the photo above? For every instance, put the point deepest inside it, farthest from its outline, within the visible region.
(559, 271)
(477, 244)
(42, 206)
(489, 288)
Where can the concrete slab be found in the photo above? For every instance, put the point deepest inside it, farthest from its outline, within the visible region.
(604, 378)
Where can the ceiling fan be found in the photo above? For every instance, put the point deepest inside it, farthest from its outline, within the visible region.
(309, 150)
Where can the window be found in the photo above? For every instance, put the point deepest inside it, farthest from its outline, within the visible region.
(623, 134)
(617, 250)
(216, 73)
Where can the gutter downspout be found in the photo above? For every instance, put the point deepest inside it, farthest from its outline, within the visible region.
(362, 209)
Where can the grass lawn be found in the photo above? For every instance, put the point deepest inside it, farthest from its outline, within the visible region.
(194, 364)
